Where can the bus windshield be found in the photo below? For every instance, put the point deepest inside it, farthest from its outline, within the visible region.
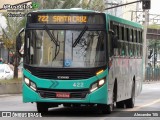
(54, 48)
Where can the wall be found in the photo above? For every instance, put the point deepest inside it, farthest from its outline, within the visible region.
(10, 88)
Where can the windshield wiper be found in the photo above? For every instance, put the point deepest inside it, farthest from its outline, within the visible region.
(51, 36)
(80, 36)
(56, 42)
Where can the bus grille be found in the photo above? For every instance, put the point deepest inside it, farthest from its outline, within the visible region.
(52, 94)
(54, 74)
(69, 73)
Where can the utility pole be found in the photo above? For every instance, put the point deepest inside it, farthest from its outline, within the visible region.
(155, 54)
(145, 49)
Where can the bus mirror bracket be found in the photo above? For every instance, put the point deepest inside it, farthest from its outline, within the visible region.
(114, 38)
(19, 42)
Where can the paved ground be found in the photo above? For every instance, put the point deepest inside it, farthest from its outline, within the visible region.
(148, 102)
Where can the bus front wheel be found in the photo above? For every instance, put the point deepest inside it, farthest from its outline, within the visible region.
(107, 109)
(42, 107)
(130, 102)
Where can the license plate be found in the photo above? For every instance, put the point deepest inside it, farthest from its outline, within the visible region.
(62, 95)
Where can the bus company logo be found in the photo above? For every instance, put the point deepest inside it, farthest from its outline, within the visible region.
(63, 77)
(18, 10)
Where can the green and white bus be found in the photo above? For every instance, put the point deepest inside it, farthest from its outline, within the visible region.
(81, 57)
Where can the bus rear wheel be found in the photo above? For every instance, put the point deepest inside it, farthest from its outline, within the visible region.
(42, 107)
(120, 104)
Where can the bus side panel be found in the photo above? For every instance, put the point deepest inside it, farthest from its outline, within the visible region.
(124, 70)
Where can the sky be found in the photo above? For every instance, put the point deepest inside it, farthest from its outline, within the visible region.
(155, 7)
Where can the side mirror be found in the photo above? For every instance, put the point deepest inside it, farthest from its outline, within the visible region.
(115, 41)
(19, 42)
(114, 38)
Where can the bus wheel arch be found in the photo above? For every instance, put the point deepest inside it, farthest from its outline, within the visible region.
(131, 101)
(115, 90)
(107, 109)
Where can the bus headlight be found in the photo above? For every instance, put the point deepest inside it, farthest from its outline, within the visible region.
(31, 84)
(101, 82)
(27, 81)
(94, 87)
(97, 85)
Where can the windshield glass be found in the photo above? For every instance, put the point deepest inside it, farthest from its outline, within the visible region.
(54, 48)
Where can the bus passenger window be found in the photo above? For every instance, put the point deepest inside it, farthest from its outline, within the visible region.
(135, 50)
(120, 33)
(126, 48)
(132, 36)
(123, 49)
(116, 30)
(128, 34)
(137, 36)
(130, 49)
(125, 34)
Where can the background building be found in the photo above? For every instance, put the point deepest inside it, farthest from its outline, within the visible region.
(131, 12)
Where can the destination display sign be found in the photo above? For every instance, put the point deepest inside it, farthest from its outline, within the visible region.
(62, 19)
(66, 18)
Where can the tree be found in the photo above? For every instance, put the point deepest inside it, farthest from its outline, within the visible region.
(154, 26)
(97, 5)
(14, 24)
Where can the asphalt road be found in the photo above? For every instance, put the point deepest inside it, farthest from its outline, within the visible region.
(148, 103)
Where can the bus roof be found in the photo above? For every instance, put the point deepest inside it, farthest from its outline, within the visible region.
(123, 21)
(79, 10)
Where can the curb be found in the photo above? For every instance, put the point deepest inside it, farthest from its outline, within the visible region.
(13, 88)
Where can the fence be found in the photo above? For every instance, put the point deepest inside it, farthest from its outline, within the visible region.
(152, 74)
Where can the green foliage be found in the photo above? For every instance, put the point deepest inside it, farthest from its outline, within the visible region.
(154, 26)
(154, 43)
(14, 24)
(97, 5)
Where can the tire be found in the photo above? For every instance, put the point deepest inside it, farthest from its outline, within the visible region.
(107, 109)
(41, 107)
(120, 104)
(130, 102)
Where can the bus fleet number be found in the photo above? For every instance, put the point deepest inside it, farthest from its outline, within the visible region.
(78, 84)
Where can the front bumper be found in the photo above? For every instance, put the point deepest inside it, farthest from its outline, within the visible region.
(99, 96)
